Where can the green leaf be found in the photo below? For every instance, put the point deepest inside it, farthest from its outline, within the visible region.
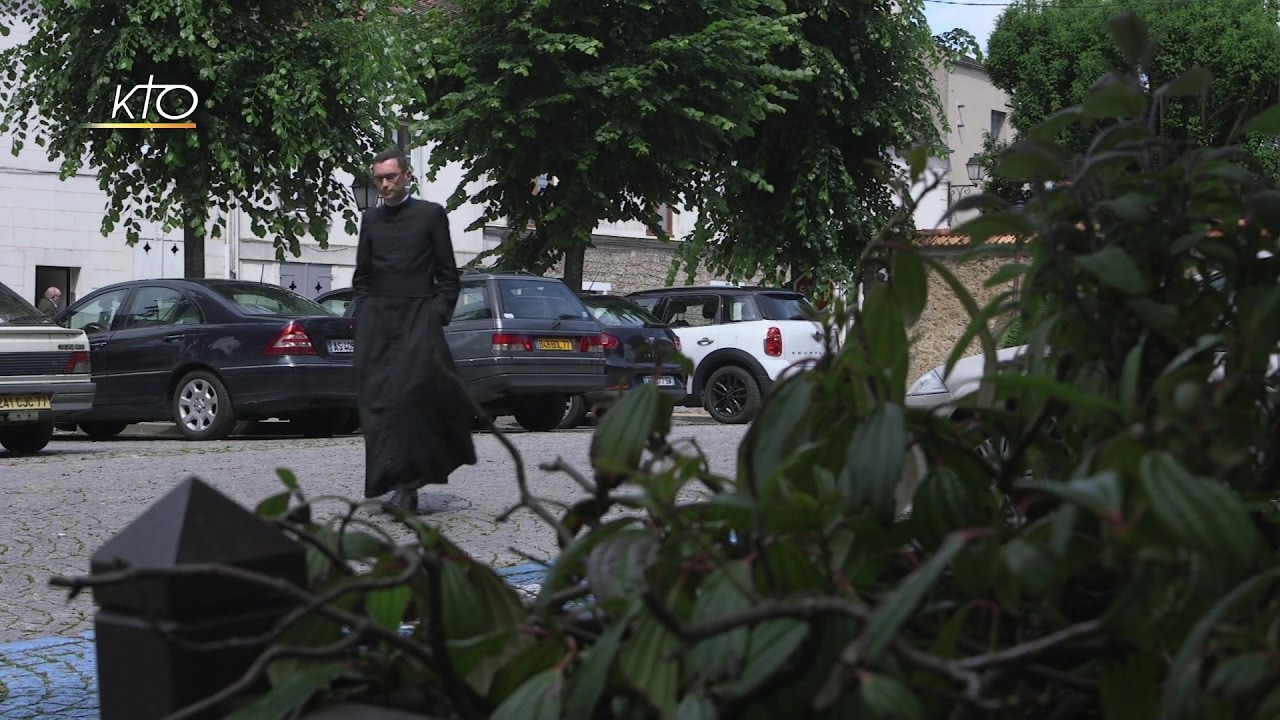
(1201, 514)
(538, 698)
(291, 694)
(1129, 31)
(873, 460)
(720, 595)
(886, 339)
(273, 507)
(771, 644)
(1113, 266)
(572, 560)
(616, 568)
(910, 286)
(1029, 161)
(1237, 677)
(1114, 100)
(619, 440)
(902, 601)
(1134, 207)
(387, 606)
(651, 664)
(769, 441)
(287, 477)
(1266, 122)
(1048, 387)
(1131, 374)
(1100, 494)
(1052, 126)
(589, 680)
(696, 706)
(890, 699)
(1194, 81)
(1130, 687)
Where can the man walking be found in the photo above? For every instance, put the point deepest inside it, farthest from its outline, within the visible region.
(48, 305)
(414, 411)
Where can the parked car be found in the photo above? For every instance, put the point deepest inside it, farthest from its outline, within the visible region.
(207, 353)
(740, 339)
(523, 344)
(634, 340)
(44, 373)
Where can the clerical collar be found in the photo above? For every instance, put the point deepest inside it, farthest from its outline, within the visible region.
(393, 204)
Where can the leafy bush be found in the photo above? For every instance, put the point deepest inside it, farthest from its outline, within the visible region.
(1118, 559)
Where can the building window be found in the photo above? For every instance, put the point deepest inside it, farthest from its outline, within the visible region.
(997, 123)
(664, 217)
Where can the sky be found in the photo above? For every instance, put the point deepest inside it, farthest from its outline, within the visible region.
(978, 20)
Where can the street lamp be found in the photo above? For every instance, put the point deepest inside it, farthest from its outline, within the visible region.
(366, 194)
(974, 168)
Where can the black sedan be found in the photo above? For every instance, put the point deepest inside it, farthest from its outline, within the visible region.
(207, 353)
(638, 348)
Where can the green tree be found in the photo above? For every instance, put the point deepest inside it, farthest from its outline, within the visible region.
(289, 93)
(621, 106)
(1048, 54)
(807, 190)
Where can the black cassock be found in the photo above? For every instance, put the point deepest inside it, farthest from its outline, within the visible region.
(414, 411)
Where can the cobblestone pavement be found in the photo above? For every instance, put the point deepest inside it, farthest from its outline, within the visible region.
(61, 505)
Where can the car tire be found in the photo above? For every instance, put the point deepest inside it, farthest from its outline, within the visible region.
(202, 407)
(318, 424)
(575, 412)
(102, 430)
(731, 395)
(540, 414)
(27, 439)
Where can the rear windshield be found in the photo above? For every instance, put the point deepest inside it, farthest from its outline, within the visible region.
(16, 311)
(268, 300)
(784, 306)
(616, 312)
(539, 299)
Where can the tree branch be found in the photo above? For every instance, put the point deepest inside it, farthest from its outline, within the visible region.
(804, 609)
(465, 700)
(1030, 649)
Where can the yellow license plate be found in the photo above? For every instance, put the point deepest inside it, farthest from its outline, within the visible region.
(555, 344)
(24, 402)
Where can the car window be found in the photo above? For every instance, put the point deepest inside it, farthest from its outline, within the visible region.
(784, 306)
(742, 309)
(692, 310)
(337, 304)
(649, 302)
(616, 312)
(158, 306)
(264, 299)
(98, 313)
(473, 304)
(540, 299)
(14, 310)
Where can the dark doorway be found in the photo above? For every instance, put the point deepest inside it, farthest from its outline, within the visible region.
(63, 278)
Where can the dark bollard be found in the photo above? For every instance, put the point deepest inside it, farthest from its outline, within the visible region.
(143, 629)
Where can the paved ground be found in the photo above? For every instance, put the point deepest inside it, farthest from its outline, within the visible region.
(58, 507)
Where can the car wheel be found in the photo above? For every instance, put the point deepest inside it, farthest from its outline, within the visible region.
(731, 395)
(202, 407)
(540, 414)
(575, 411)
(102, 430)
(318, 425)
(26, 439)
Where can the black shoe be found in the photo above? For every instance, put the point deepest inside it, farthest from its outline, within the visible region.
(406, 500)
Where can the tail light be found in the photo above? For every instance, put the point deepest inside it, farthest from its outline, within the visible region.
(78, 363)
(507, 342)
(609, 343)
(773, 342)
(592, 343)
(292, 340)
(678, 345)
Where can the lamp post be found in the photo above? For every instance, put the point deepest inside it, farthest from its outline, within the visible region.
(972, 168)
(365, 193)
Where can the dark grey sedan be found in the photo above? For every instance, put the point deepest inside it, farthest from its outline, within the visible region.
(207, 353)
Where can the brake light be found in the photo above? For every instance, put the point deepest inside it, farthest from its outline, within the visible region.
(292, 340)
(609, 343)
(773, 342)
(679, 347)
(78, 363)
(507, 342)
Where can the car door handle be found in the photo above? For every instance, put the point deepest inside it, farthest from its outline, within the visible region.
(705, 341)
(97, 344)
(174, 337)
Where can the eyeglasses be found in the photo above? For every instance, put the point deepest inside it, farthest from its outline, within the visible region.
(389, 176)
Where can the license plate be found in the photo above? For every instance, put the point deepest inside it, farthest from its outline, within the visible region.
(342, 346)
(546, 344)
(661, 381)
(24, 402)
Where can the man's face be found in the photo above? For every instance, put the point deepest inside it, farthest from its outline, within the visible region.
(392, 180)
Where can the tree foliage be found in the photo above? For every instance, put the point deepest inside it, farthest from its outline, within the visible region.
(1048, 54)
(625, 105)
(289, 94)
(807, 191)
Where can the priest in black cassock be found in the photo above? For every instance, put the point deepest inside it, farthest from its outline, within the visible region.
(413, 409)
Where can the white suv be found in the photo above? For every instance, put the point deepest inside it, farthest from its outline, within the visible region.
(740, 339)
(44, 371)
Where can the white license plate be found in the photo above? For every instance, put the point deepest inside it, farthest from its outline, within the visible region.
(24, 402)
(19, 416)
(661, 381)
(342, 346)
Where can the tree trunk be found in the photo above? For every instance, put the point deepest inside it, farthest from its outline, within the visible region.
(574, 259)
(195, 211)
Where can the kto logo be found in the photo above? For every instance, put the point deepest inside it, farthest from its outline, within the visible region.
(185, 100)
